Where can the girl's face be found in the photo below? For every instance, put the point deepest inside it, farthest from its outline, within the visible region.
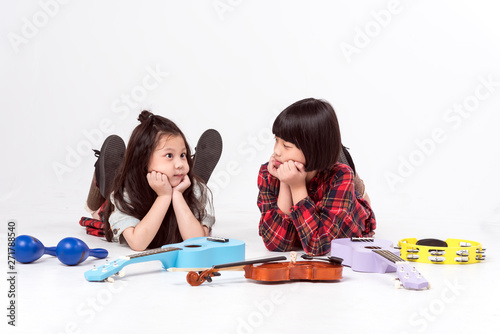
(169, 158)
(285, 151)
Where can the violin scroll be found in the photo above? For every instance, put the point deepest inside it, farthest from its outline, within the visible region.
(197, 278)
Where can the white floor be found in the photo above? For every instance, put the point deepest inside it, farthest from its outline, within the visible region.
(54, 298)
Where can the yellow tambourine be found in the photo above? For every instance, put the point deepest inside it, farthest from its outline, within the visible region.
(450, 251)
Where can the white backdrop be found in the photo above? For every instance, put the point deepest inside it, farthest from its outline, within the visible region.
(415, 84)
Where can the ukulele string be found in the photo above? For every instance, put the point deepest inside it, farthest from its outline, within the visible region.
(153, 251)
(389, 255)
(385, 253)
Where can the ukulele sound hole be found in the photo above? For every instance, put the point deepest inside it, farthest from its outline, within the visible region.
(373, 247)
(192, 246)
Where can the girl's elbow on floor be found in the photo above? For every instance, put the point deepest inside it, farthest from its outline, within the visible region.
(133, 243)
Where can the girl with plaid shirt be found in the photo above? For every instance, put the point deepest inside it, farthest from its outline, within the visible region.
(307, 198)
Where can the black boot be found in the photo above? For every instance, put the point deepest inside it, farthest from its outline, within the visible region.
(207, 155)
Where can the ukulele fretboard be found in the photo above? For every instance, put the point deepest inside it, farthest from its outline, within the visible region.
(384, 253)
(388, 255)
(153, 251)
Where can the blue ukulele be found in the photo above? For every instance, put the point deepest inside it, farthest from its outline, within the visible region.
(202, 252)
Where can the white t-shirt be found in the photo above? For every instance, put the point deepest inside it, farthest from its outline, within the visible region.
(120, 221)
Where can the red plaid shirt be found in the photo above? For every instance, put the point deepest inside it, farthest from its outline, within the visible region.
(332, 210)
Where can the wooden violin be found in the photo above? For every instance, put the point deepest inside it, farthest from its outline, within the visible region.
(270, 271)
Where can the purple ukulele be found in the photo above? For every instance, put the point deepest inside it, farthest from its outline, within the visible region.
(377, 256)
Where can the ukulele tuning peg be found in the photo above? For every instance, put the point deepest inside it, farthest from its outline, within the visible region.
(120, 274)
(110, 279)
(397, 283)
(94, 268)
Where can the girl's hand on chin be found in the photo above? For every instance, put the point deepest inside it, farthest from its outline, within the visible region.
(292, 173)
(183, 185)
(159, 183)
(271, 168)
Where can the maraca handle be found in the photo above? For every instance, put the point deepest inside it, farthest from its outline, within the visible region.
(50, 251)
(99, 253)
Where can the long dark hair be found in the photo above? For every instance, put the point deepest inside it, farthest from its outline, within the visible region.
(130, 179)
(312, 126)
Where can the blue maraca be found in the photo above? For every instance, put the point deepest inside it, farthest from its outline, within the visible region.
(70, 251)
(28, 249)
